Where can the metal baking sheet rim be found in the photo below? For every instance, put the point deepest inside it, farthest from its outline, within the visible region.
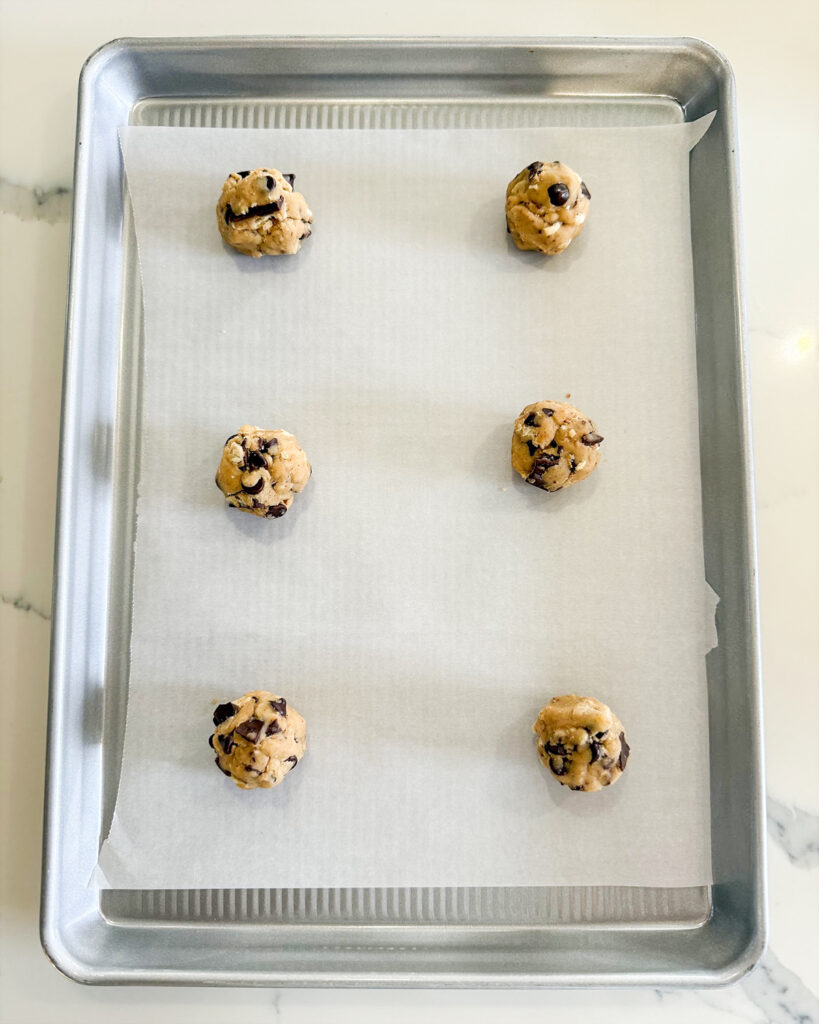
(67, 920)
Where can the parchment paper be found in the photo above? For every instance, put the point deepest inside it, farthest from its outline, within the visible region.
(419, 603)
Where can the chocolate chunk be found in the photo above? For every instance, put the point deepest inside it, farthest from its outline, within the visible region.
(600, 735)
(625, 750)
(276, 511)
(585, 190)
(290, 179)
(531, 420)
(272, 728)
(265, 446)
(592, 439)
(225, 742)
(243, 174)
(271, 181)
(558, 193)
(548, 412)
(279, 705)
(250, 729)
(224, 771)
(254, 488)
(223, 712)
(597, 750)
(292, 761)
(210, 740)
(555, 748)
(544, 462)
(255, 460)
(533, 448)
(572, 464)
(255, 211)
(535, 168)
(558, 766)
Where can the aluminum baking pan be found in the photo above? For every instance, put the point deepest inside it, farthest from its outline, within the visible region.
(383, 937)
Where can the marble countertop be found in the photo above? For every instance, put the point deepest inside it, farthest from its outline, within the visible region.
(775, 54)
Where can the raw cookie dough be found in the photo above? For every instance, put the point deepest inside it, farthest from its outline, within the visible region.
(261, 471)
(258, 739)
(260, 214)
(581, 742)
(554, 445)
(546, 207)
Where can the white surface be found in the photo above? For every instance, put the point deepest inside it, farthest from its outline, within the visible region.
(775, 55)
(399, 349)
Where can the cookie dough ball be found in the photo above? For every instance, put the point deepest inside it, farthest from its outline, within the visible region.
(581, 742)
(260, 214)
(554, 445)
(258, 739)
(261, 471)
(546, 207)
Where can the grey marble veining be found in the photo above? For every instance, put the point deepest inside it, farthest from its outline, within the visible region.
(780, 994)
(52, 205)
(22, 605)
(796, 831)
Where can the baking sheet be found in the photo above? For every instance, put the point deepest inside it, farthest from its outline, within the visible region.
(418, 604)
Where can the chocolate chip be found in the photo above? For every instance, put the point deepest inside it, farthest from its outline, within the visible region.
(576, 788)
(591, 439)
(597, 750)
(292, 760)
(255, 460)
(558, 766)
(558, 193)
(243, 174)
(600, 735)
(535, 168)
(625, 750)
(531, 420)
(555, 748)
(276, 511)
(210, 740)
(548, 412)
(254, 488)
(270, 182)
(585, 190)
(572, 464)
(225, 742)
(272, 728)
(250, 768)
(279, 705)
(250, 729)
(265, 446)
(255, 211)
(224, 771)
(533, 448)
(290, 179)
(223, 712)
